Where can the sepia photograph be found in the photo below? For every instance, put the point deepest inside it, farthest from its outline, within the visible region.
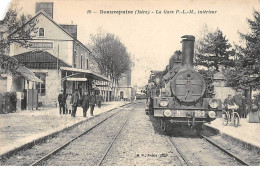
(130, 83)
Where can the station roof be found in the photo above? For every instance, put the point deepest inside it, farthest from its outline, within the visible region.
(39, 60)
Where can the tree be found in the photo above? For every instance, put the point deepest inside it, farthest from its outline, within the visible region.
(111, 55)
(10, 33)
(246, 73)
(213, 51)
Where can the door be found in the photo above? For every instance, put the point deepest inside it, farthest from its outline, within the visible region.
(32, 99)
(121, 95)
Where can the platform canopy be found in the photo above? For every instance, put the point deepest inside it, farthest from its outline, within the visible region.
(89, 73)
(27, 74)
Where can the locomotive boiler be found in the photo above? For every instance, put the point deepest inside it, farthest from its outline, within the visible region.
(177, 95)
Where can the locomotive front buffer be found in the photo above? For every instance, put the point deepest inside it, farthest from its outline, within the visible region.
(168, 109)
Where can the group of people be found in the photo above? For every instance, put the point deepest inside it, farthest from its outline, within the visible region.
(68, 103)
(238, 100)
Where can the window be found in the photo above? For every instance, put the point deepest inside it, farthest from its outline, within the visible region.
(81, 61)
(41, 87)
(74, 59)
(41, 32)
(87, 63)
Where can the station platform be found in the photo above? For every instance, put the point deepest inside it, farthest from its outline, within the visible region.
(247, 133)
(25, 127)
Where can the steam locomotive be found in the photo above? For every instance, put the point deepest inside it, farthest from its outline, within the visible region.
(177, 95)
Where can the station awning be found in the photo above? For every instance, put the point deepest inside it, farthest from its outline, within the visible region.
(90, 73)
(27, 74)
(77, 79)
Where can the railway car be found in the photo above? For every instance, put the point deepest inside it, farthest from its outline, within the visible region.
(177, 96)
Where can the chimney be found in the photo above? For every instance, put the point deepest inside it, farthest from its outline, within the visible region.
(187, 50)
(46, 7)
(72, 29)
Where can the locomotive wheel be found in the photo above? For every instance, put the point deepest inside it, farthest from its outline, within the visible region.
(224, 118)
(236, 119)
(166, 127)
(198, 129)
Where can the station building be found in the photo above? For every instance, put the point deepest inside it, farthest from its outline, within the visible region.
(57, 58)
(124, 90)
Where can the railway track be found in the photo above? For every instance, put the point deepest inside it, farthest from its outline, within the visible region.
(187, 160)
(225, 150)
(42, 151)
(62, 147)
(108, 131)
(110, 145)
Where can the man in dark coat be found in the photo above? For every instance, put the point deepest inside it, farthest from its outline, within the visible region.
(74, 102)
(99, 99)
(92, 102)
(228, 101)
(241, 102)
(85, 103)
(62, 102)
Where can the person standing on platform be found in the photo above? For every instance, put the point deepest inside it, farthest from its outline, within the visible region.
(99, 100)
(24, 100)
(62, 102)
(92, 102)
(241, 102)
(68, 104)
(85, 103)
(254, 114)
(74, 102)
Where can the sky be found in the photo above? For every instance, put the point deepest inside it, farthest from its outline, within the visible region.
(150, 38)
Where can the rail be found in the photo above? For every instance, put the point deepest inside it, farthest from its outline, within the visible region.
(226, 151)
(238, 159)
(47, 156)
(110, 145)
(179, 151)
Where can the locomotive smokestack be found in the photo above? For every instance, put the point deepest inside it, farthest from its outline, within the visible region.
(187, 50)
